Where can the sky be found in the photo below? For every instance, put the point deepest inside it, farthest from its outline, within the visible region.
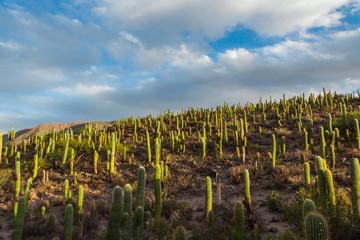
(103, 60)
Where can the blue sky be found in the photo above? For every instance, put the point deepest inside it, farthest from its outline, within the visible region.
(66, 61)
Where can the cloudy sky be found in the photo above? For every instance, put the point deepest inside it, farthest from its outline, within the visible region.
(82, 60)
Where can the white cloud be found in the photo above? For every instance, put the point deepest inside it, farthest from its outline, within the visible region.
(84, 90)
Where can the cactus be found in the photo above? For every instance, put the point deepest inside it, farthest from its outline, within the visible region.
(355, 187)
(66, 190)
(80, 199)
(203, 147)
(43, 212)
(1, 143)
(35, 166)
(157, 151)
(127, 212)
(19, 219)
(69, 222)
(115, 215)
(140, 194)
(96, 159)
(357, 133)
(316, 227)
(158, 200)
(247, 188)
(307, 176)
(330, 123)
(148, 146)
(18, 178)
(180, 233)
(139, 222)
(208, 199)
(308, 206)
(27, 192)
(321, 177)
(65, 151)
(333, 159)
(329, 184)
(273, 154)
(238, 230)
(322, 143)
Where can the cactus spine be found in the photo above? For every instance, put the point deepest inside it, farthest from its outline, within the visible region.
(247, 188)
(69, 222)
(355, 187)
(158, 200)
(115, 215)
(316, 227)
(19, 219)
(208, 199)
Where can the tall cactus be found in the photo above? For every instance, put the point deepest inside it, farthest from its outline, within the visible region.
(238, 230)
(65, 151)
(80, 199)
(247, 188)
(127, 212)
(157, 151)
(148, 145)
(357, 133)
(355, 187)
(316, 227)
(112, 156)
(273, 154)
(115, 215)
(307, 175)
(96, 159)
(158, 200)
(321, 177)
(36, 162)
(69, 222)
(208, 199)
(329, 184)
(322, 143)
(66, 190)
(139, 223)
(19, 219)
(18, 178)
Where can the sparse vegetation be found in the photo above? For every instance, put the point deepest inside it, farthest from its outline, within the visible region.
(294, 161)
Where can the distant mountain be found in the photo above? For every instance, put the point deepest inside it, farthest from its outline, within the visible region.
(25, 133)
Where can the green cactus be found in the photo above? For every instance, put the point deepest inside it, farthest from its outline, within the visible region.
(316, 227)
(139, 222)
(157, 151)
(65, 151)
(322, 143)
(306, 140)
(211, 225)
(115, 215)
(69, 222)
(247, 188)
(308, 206)
(18, 178)
(273, 154)
(148, 145)
(158, 200)
(1, 143)
(180, 233)
(80, 199)
(307, 175)
(329, 184)
(127, 212)
(208, 199)
(96, 159)
(238, 230)
(357, 133)
(66, 190)
(321, 178)
(112, 153)
(27, 192)
(355, 187)
(36, 162)
(203, 147)
(43, 209)
(19, 218)
(330, 123)
(140, 187)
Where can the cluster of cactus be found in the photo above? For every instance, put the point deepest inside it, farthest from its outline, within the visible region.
(325, 181)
